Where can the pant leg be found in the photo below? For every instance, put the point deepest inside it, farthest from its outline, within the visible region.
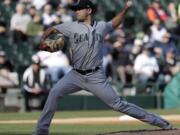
(122, 73)
(104, 91)
(68, 84)
(27, 97)
(54, 73)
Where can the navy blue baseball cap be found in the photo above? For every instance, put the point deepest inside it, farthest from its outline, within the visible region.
(83, 4)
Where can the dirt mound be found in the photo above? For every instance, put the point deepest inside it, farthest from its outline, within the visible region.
(146, 132)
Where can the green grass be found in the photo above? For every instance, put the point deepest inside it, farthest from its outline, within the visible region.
(74, 129)
(73, 114)
(78, 129)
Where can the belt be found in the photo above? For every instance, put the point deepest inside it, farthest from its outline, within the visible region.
(84, 72)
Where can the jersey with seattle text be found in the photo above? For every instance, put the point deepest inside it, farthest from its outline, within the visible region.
(85, 42)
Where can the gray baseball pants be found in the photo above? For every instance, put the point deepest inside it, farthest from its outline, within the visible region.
(97, 84)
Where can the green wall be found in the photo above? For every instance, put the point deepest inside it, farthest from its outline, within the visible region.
(93, 103)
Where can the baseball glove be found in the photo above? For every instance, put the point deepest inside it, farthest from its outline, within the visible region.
(54, 42)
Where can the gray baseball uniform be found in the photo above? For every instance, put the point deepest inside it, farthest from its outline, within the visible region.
(85, 53)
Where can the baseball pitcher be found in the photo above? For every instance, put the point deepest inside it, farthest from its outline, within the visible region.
(85, 37)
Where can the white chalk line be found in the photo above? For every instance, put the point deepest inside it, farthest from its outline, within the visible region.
(91, 120)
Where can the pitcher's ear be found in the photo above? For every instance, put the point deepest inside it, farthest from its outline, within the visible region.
(89, 10)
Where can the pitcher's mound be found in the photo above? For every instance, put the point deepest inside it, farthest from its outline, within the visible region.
(146, 132)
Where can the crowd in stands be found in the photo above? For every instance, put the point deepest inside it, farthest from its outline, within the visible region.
(150, 55)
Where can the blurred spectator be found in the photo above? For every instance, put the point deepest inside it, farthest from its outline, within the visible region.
(128, 41)
(7, 9)
(170, 64)
(19, 24)
(47, 16)
(35, 83)
(57, 20)
(146, 66)
(26, 3)
(107, 56)
(172, 11)
(145, 34)
(39, 3)
(54, 3)
(57, 64)
(35, 30)
(169, 69)
(166, 45)
(171, 23)
(8, 78)
(63, 13)
(157, 31)
(136, 49)
(5, 65)
(66, 2)
(121, 62)
(155, 11)
(33, 12)
(3, 29)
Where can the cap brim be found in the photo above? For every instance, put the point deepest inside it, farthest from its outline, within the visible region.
(76, 7)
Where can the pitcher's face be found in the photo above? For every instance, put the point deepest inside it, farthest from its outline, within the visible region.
(81, 14)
